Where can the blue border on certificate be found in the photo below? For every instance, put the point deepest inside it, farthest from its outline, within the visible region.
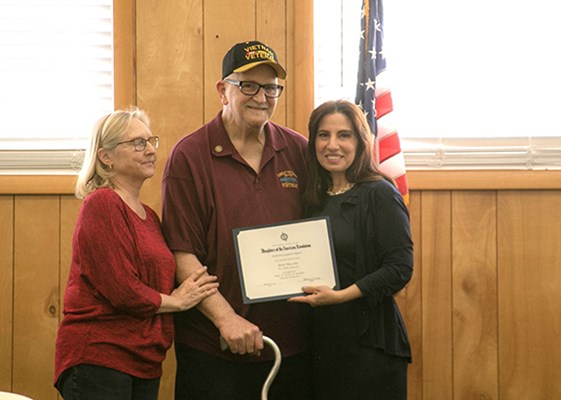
(236, 232)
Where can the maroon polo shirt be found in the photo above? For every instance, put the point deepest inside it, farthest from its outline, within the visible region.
(208, 190)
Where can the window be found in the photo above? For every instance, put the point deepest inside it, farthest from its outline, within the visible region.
(474, 84)
(56, 75)
(336, 34)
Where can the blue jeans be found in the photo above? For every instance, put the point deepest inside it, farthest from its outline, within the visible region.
(91, 382)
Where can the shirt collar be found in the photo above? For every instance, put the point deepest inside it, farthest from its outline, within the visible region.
(221, 145)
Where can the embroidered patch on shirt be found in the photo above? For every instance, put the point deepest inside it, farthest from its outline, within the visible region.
(288, 179)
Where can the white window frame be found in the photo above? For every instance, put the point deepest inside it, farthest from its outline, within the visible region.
(56, 70)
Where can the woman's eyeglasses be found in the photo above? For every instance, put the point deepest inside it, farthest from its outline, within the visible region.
(139, 144)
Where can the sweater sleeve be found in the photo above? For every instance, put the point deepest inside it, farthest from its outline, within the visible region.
(388, 245)
(109, 259)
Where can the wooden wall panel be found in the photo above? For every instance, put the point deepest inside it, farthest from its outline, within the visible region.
(410, 305)
(226, 22)
(36, 294)
(474, 286)
(6, 290)
(124, 53)
(170, 75)
(436, 261)
(529, 234)
(270, 19)
(301, 88)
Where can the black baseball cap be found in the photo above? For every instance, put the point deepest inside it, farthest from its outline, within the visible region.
(246, 55)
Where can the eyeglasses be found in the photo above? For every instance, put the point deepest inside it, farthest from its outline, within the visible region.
(139, 144)
(250, 88)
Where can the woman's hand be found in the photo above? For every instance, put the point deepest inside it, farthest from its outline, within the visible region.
(317, 296)
(198, 286)
(323, 295)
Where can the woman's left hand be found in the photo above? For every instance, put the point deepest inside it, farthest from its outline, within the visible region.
(197, 287)
(317, 296)
(323, 295)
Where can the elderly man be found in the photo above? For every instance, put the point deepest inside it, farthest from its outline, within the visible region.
(238, 170)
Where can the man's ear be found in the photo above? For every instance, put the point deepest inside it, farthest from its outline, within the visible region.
(221, 90)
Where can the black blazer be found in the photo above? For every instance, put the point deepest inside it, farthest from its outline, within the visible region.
(384, 256)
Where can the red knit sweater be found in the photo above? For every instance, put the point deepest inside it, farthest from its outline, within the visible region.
(120, 265)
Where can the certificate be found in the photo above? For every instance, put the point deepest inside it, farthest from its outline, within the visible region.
(275, 261)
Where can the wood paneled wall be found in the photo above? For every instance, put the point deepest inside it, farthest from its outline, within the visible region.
(483, 307)
(35, 239)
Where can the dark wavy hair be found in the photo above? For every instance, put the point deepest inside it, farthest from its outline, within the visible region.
(362, 168)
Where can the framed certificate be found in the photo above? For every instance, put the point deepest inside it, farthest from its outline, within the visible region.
(275, 261)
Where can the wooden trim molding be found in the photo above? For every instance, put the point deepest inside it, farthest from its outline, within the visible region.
(37, 184)
(418, 180)
(484, 180)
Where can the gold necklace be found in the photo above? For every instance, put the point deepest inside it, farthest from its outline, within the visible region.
(344, 189)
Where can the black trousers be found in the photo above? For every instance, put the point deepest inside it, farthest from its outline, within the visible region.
(368, 374)
(91, 382)
(203, 377)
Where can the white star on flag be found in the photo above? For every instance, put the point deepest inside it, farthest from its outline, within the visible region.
(369, 84)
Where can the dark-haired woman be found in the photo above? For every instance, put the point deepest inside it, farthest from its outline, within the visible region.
(361, 349)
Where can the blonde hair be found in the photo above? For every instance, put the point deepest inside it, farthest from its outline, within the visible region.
(107, 133)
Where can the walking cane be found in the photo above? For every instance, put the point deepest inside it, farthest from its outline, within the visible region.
(274, 370)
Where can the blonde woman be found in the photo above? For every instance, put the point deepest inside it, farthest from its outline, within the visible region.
(117, 327)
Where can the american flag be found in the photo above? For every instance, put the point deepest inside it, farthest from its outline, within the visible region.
(373, 95)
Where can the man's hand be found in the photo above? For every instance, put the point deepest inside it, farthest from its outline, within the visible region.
(241, 336)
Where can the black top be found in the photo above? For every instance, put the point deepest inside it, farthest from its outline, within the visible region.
(373, 248)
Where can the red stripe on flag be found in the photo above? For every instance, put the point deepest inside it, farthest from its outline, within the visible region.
(384, 104)
(389, 146)
(377, 104)
(401, 182)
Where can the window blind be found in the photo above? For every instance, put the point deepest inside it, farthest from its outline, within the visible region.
(56, 80)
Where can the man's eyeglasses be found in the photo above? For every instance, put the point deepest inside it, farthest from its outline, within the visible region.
(250, 88)
(139, 144)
